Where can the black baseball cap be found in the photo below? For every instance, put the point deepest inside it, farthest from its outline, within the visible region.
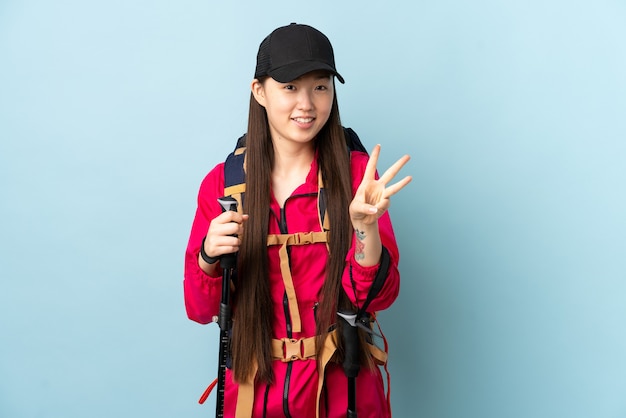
(291, 51)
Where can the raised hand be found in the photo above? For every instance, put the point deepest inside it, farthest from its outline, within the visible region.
(372, 197)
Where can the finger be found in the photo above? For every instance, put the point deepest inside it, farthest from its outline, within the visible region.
(217, 232)
(226, 241)
(232, 228)
(360, 210)
(222, 218)
(218, 229)
(226, 218)
(224, 245)
(396, 187)
(232, 216)
(370, 168)
(382, 206)
(391, 172)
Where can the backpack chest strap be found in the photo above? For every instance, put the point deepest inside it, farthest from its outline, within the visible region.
(303, 349)
(285, 240)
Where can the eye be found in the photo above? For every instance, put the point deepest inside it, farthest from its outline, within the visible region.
(290, 87)
(321, 87)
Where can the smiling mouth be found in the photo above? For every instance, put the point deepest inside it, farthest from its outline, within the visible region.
(304, 120)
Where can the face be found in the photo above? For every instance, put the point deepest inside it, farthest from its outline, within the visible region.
(296, 111)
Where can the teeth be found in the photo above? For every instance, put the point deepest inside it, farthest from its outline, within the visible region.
(303, 120)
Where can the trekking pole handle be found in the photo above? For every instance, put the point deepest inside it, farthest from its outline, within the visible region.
(351, 343)
(228, 262)
(228, 203)
(351, 366)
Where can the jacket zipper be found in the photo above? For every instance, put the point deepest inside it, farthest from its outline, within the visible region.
(283, 229)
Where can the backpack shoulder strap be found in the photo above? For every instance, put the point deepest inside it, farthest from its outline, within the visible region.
(353, 141)
(235, 173)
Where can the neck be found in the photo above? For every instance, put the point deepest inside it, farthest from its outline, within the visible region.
(288, 160)
(290, 170)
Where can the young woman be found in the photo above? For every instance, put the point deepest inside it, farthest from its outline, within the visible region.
(296, 266)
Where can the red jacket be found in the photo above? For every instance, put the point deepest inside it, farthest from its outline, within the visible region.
(294, 390)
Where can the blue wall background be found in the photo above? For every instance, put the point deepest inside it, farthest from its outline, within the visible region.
(513, 231)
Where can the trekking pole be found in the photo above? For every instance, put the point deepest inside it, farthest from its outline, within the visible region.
(351, 357)
(228, 262)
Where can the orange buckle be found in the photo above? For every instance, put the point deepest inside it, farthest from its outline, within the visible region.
(303, 238)
(292, 350)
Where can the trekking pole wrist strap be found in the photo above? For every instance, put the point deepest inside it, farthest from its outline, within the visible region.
(207, 258)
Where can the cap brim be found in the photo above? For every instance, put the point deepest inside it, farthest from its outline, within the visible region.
(290, 72)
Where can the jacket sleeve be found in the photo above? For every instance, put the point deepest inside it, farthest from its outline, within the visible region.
(357, 280)
(203, 292)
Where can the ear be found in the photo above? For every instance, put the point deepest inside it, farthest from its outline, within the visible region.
(258, 91)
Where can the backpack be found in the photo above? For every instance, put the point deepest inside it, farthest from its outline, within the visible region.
(234, 187)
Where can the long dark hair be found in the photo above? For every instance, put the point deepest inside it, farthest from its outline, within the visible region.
(252, 323)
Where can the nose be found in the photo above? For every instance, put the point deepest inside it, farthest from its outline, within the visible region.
(305, 100)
